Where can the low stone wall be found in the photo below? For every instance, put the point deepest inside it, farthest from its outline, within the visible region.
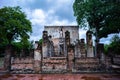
(29, 65)
(59, 65)
(86, 64)
(22, 65)
(86, 60)
(116, 60)
(54, 64)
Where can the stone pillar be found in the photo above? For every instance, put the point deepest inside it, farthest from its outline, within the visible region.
(45, 44)
(37, 60)
(70, 59)
(66, 42)
(50, 47)
(89, 41)
(77, 49)
(61, 47)
(67, 37)
(82, 48)
(100, 52)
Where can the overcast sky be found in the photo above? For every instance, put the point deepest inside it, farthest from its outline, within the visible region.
(47, 12)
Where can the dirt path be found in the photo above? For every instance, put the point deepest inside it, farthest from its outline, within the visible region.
(59, 77)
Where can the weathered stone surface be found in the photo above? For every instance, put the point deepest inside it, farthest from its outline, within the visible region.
(22, 65)
(67, 37)
(45, 44)
(77, 49)
(54, 31)
(70, 61)
(90, 52)
(87, 65)
(100, 51)
(37, 55)
(82, 48)
(54, 64)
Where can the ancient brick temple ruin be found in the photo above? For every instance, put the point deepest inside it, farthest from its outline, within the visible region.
(63, 51)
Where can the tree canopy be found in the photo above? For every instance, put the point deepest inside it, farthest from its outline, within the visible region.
(24, 45)
(114, 46)
(14, 25)
(102, 16)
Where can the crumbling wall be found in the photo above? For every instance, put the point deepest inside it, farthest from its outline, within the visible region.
(86, 64)
(54, 64)
(22, 65)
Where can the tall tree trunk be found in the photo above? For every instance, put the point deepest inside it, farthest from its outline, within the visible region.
(7, 59)
(96, 42)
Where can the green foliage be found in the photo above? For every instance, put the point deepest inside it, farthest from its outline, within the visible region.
(102, 16)
(114, 46)
(115, 39)
(40, 41)
(23, 45)
(17, 46)
(13, 25)
(106, 46)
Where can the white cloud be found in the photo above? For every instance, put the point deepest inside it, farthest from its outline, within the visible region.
(61, 4)
(38, 16)
(59, 1)
(50, 12)
(106, 40)
(38, 13)
(82, 33)
(34, 38)
(62, 22)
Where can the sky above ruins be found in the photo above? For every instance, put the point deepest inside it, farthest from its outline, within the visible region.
(47, 12)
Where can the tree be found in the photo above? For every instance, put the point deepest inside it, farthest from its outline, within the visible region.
(40, 41)
(13, 25)
(102, 16)
(24, 45)
(114, 47)
(112, 18)
(115, 44)
(106, 46)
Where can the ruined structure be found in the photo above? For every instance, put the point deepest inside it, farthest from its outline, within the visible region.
(64, 44)
(60, 36)
(62, 51)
